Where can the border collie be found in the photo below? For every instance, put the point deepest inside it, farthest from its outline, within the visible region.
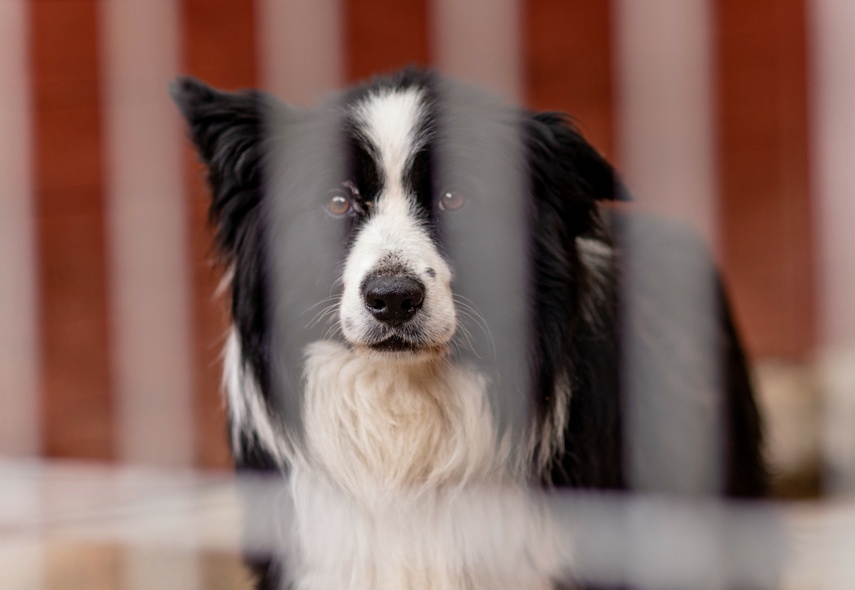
(429, 317)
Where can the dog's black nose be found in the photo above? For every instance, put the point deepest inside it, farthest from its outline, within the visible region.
(393, 300)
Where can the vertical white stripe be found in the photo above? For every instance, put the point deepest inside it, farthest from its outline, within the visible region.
(665, 107)
(480, 144)
(832, 36)
(666, 152)
(148, 242)
(22, 562)
(666, 144)
(148, 248)
(300, 48)
(19, 421)
(301, 55)
(479, 41)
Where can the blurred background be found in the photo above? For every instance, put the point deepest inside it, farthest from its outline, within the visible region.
(730, 114)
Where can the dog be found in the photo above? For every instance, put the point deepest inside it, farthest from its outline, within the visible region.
(430, 316)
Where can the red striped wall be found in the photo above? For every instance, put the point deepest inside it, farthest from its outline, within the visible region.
(765, 238)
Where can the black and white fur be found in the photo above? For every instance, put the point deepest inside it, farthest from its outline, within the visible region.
(396, 424)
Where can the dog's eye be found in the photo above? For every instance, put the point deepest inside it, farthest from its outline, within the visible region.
(338, 204)
(451, 200)
(342, 200)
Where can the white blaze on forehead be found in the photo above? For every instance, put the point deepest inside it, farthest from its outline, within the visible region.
(390, 119)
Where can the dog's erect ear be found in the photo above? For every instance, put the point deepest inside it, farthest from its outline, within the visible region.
(227, 129)
(558, 139)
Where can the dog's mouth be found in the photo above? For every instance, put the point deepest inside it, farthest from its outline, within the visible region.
(402, 346)
(397, 344)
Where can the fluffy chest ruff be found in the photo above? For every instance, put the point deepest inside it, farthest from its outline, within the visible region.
(404, 484)
(377, 425)
(483, 537)
(402, 481)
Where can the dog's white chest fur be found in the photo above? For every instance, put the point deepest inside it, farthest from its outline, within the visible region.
(377, 425)
(488, 537)
(405, 485)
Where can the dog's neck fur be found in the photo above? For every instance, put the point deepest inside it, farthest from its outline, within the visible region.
(405, 464)
(402, 481)
(377, 425)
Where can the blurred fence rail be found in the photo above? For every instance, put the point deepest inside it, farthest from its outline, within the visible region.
(181, 515)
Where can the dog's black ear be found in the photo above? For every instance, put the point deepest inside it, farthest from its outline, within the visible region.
(558, 141)
(227, 129)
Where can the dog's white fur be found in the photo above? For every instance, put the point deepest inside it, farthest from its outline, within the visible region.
(393, 237)
(399, 424)
(402, 483)
(248, 412)
(388, 120)
(485, 537)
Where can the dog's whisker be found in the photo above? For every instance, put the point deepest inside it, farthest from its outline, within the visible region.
(463, 328)
(468, 311)
(467, 337)
(325, 315)
(321, 302)
(336, 284)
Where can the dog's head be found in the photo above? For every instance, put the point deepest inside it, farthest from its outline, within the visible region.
(409, 170)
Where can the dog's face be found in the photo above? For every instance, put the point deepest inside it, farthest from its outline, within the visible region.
(421, 216)
(397, 286)
(425, 202)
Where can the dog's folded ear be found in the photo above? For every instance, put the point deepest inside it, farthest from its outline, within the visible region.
(227, 129)
(566, 149)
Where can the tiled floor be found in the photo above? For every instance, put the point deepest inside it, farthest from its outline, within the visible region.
(82, 527)
(98, 566)
(135, 551)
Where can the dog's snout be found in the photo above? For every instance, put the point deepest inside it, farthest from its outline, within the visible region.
(393, 300)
